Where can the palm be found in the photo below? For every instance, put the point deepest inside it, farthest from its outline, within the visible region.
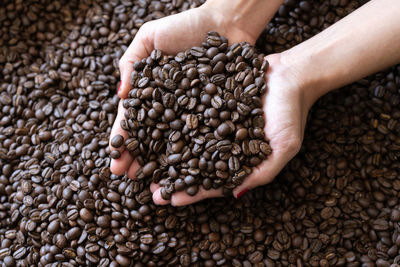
(285, 120)
(285, 115)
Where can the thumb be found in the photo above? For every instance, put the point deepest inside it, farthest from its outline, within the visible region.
(140, 47)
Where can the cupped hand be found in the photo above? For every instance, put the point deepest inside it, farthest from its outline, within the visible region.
(171, 34)
(284, 106)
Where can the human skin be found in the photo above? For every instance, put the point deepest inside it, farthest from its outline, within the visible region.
(360, 44)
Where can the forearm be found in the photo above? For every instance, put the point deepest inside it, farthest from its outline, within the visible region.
(246, 14)
(366, 41)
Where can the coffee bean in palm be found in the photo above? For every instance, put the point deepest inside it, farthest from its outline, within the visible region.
(192, 190)
(200, 118)
(165, 194)
(149, 168)
(179, 184)
(115, 154)
(117, 141)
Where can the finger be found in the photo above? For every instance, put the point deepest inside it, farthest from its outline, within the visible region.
(116, 129)
(140, 47)
(154, 187)
(131, 173)
(182, 198)
(263, 173)
(119, 166)
(158, 199)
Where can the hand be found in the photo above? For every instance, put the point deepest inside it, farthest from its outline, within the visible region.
(286, 105)
(285, 109)
(171, 35)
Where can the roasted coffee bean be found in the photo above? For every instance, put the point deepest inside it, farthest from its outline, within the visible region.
(73, 233)
(210, 89)
(104, 221)
(9, 261)
(165, 194)
(149, 168)
(265, 148)
(241, 134)
(197, 51)
(234, 164)
(192, 190)
(53, 227)
(117, 141)
(115, 154)
(189, 180)
(131, 144)
(179, 184)
(192, 121)
(224, 129)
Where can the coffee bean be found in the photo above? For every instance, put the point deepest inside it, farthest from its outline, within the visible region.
(224, 129)
(169, 114)
(192, 190)
(221, 165)
(174, 159)
(247, 52)
(189, 180)
(115, 154)
(197, 51)
(217, 102)
(241, 134)
(53, 227)
(9, 261)
(131, 144)
(165, 194)
(73, 233)
(149, 168)
(122, 260)
(265, 148)
(210, 89)
(254, 147)
(117, 141)
(224, 146)
(234, 163)
(156, 54)
(179, 184)
(192, 121)
(86, 215)
(19, 253)
(104, 221)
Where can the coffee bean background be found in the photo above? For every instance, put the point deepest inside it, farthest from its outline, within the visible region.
(335, 204)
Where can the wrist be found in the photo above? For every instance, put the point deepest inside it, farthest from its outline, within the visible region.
(290, 77)
(305, 74)
(242, 18)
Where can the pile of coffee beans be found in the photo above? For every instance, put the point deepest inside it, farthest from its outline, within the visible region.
(196, 118)
(335, 204)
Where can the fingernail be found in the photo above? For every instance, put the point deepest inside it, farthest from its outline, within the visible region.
(119, 87)
(241, 193)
